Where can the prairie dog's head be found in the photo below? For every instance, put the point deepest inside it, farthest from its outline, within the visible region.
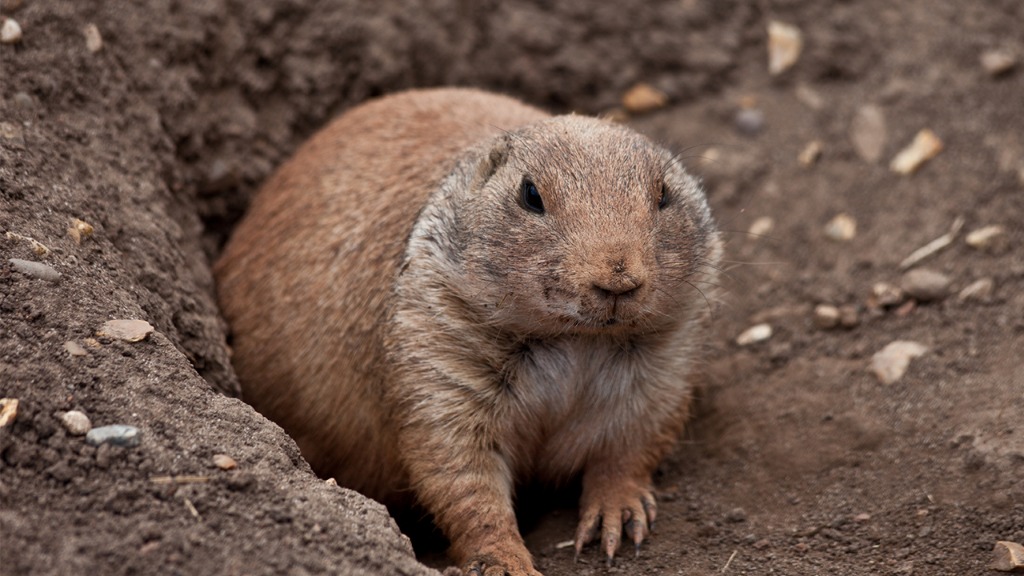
(576, 225)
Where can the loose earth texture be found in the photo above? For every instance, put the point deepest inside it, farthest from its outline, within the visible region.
(132, 136)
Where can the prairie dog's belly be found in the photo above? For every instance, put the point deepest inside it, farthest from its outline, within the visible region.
(571, 397)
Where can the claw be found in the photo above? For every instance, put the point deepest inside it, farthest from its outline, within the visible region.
(636, 550)
(610, 560)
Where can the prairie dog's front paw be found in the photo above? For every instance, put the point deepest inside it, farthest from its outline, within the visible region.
(611, 507)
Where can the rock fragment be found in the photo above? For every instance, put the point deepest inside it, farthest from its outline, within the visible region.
(868, 133)
(992, 239)
(926, 145)
(38, 247)
(749, 120)
(978, 291)
(35, 269)
(224, 462)
(761, 226)
(890, 363)
(826, 316)
(925, 285)
(127, 330)
(1007, 557)
(811, 153)
(997, 62)
(75, 349)
(115, 435)
(8, 411)
(75, 422)
(643, 98)
(93, 39)
(841, 228)
(886, 295)
(80, 230)
(754, 334)
(849, 316)
(10, 32)
(785, 42)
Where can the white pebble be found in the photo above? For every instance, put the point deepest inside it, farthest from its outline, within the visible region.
(75, 422)
(890, 363)
(826, 316)
(10, 32)
(754, 334)
(925, 285)
(977, 291)
(991, 239)
(35, 269)
(761, 226)
(127, 330)
(785, 42)
(842, 228)
(114, 434)
(924, 147)
(868, 133)
(93, 39)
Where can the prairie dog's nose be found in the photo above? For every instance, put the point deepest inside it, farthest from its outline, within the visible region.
(620, 279)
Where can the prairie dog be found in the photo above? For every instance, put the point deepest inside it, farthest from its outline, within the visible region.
(446, 292)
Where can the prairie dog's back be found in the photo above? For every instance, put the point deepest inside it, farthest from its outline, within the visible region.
(324, 291)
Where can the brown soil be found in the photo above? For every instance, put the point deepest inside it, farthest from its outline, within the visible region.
(799, 461)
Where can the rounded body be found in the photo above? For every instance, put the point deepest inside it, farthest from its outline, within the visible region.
(446, 292)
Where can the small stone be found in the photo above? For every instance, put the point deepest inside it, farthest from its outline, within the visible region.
(886, 295)
(127, 330)
(38, 247)
(749, 121)
(890, 363)
(809, 97)
(224, 462)
(785, 42)
(24, 100)
(736, 515)
(1007, 557)
(75, 422)
(93, 39)
(811, 153)
(10, 32)
(826, 316)
(868, 133)
(849, 316)
(926, 145)
(761, 226)
(35, 269)
(978, 291)
(115, 435)
(8, 411)
(842, 228)
(992, 239)
(75, 349)
(331, 482)
(925, 285)
(862, 517)
(997, 62)
(11, 133)
(754, 334)
(80, 230)
(643, 98)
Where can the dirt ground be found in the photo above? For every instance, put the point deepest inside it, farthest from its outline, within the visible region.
(799, 461)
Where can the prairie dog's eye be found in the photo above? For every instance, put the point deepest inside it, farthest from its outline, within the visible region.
(663, 199)
(530, 196)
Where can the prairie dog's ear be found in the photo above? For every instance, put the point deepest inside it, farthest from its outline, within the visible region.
(494, 159)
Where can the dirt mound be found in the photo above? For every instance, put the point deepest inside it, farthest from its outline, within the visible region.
(800, 461)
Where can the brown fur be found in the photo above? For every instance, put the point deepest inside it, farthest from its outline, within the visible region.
(399, 311)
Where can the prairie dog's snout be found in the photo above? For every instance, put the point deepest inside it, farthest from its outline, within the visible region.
(445, 293)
